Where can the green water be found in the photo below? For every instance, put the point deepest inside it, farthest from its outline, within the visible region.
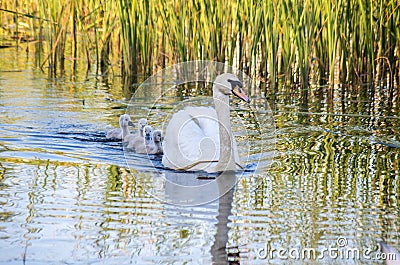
(67, 195)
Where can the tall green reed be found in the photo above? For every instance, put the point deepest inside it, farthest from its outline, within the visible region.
(281, 43)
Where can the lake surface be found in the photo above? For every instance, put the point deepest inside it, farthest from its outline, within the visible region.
(329, 177)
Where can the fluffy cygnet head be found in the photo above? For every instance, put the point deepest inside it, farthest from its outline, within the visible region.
(141, 124)
(125, 121)
(157, 136)
(147, 132)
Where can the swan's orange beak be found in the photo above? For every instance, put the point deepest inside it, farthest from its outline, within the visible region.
(237, 91)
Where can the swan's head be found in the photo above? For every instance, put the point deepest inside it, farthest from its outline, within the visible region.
(147, 132)
(157, 136)
(142, 123)
(229, 84)
(125, 121)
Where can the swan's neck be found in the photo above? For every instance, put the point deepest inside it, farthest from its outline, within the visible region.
(125, 131)
(226, 155)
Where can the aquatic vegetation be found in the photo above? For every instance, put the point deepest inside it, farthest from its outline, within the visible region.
(277, 42)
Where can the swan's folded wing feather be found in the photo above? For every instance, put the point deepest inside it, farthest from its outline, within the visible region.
(185, 134)
(207, 120)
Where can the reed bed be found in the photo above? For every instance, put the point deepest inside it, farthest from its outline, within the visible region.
(280, 43)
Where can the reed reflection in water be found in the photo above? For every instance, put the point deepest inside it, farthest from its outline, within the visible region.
(67, 196)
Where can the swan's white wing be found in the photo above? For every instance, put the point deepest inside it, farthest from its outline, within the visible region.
(191, 136)
(207, 120)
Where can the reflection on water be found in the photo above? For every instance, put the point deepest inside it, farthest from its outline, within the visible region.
(67, 196)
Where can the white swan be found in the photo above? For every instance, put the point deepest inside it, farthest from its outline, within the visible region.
(136, 138)
(120, 133)
(200, 138)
